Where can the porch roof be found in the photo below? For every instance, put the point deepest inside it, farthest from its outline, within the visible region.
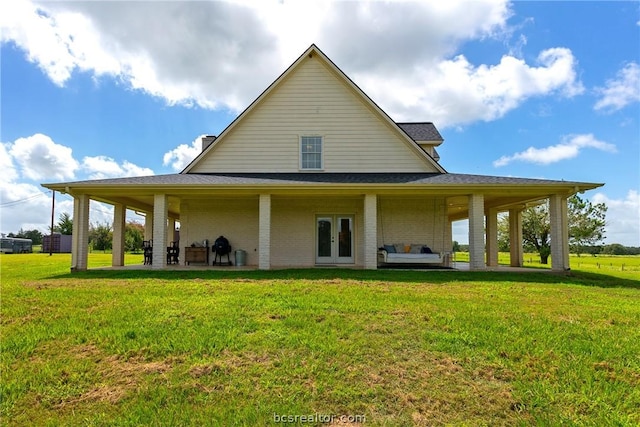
(501, 193)
(240, 179)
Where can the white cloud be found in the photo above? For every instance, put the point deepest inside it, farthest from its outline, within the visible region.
(623, 218)
(223, 54)
(24, 206)
(28, 207)
(184, 52)
(621, 91)
(183, 154)
(9, 173)
(569, 148)
(100, 167)
(458, 92)
(384, 37)
(40, 158)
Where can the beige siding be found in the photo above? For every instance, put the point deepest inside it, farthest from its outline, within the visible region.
(312, 100)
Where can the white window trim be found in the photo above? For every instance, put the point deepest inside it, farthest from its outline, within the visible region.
(321, 152)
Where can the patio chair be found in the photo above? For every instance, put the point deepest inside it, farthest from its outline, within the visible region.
(147, 249)
(173, 252)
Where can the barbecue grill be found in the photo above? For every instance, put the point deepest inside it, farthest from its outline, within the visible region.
(221, 247)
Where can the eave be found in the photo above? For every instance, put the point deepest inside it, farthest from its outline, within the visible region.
(500, 193)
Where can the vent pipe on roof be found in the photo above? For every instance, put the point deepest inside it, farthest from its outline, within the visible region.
(207, 141)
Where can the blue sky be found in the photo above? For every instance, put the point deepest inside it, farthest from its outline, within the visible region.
(529, 89)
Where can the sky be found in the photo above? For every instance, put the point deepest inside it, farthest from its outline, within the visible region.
(105, 89)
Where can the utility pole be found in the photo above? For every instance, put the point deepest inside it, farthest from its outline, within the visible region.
(53, 206)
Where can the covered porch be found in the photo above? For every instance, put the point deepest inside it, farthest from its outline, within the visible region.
(277, 231)
(275, 218)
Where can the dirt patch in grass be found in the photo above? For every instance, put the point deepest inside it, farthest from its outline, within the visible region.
(227, 362)
(119, 376)
(433, 390)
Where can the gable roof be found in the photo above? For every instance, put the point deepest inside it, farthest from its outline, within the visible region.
(424, 131)
(312, 51)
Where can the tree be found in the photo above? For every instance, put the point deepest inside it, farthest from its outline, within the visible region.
(133, 236)
(586, 227)
(503, 233)
(536, 229)
(615, 249)
(586, 223)
(34, 235)
(101, 236)
(65, 224)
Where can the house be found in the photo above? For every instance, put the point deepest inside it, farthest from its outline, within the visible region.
(314, 173)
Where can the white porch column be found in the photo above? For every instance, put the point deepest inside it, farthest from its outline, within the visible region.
(264, 233)
(117, 247)
(515, 237)
(449, 240)
(492, 237)
(160, 206)
(148, 226)
(476, 232)
(80, 239)
(370, 231)
(559, 232)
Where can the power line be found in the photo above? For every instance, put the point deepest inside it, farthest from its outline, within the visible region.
(17, 202)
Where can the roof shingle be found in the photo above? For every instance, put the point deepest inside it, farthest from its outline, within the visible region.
(425, 131)
(315, 178)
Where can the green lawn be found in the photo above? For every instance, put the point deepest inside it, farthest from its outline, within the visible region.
(397, 347)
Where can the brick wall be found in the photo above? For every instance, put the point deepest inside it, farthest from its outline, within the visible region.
(234, 218)
(293, 225)
(293, 228)
(412, 220)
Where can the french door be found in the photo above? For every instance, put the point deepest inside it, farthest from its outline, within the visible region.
(334, 239)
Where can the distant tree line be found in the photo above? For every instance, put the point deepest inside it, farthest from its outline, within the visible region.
(100, 235)
(610, 249)
(616, 249)
(586, 231)
(34, 235)
(63, 226)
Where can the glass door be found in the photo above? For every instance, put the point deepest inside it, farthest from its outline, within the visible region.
(334, 239)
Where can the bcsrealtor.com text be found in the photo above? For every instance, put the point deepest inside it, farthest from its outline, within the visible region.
(317, 418)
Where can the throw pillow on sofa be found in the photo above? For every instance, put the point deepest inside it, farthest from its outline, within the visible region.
(415, 249)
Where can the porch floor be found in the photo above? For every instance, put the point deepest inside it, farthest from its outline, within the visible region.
(456, 266)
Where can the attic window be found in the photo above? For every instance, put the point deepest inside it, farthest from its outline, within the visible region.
(311, 152)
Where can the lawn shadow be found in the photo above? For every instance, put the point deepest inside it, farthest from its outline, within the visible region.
(399, 276)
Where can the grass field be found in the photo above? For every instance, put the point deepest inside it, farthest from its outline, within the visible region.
(601, 263)
(380, 348)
